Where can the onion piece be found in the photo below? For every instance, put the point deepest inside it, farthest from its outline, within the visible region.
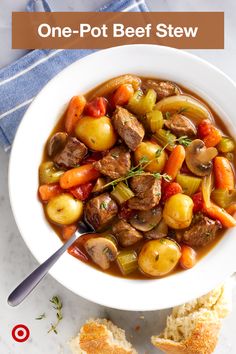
(190, 106)
(113, 84)
(207, 185)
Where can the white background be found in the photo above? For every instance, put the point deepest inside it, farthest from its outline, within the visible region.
(15, 259)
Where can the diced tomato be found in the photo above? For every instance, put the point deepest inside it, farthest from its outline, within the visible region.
(171, 189)
(67, 231)
(83, 191)
(77, 250)
(204, 128)
(48, 191)
(198, 202)
(125, 212)
(208, 133)
(97, 107)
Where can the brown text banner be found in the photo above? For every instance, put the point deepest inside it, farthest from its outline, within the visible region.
(89, 30)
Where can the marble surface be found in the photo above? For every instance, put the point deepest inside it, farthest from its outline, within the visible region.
(16, 260)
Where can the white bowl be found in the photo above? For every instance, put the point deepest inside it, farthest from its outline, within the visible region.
(39, 120)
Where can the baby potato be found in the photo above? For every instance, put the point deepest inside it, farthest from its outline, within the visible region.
(64, 209)
(97, 133)
(148, 149)
(178, 211)
(159, 257)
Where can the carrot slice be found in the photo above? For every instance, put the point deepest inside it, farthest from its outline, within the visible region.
(67, 231)
(122, 95)
(220, 214)
(78, 175)
(175, 161)
(188, 257)
(213, 139)
(231, 209)
(48, 191)
(224, 176)
(74, 111)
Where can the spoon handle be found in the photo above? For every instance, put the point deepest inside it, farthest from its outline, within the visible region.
(29, 283)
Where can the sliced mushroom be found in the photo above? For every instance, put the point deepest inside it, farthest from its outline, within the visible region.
(57, 143)
(199, 158)
(146, 220)
(102, 251)
(159, 231)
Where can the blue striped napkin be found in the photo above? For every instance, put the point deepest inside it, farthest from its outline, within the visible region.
(21, 81)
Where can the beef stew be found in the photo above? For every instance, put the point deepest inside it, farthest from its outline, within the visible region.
(150, 167)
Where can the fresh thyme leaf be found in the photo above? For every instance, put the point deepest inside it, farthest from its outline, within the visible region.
(103, 205)
(40, 317)
(182, 110)
(57, 302)
(158, 153)
(166, 177)
(115, 155)
(157, 175)
(184, 140)
(143, 160)
(167, 115)
(57, 306)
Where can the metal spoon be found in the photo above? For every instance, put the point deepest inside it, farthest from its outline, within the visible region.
(29, 283)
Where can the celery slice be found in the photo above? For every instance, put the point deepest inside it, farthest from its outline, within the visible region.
(155, 120)
(223, 197)
(226, 145)
(121, 193)
(165, 138)
(127, 261)
(140, 104)
(189, 184)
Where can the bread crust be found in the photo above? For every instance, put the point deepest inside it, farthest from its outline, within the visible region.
(202, 340)
(95, 338)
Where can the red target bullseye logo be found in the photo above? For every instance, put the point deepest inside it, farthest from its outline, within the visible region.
(20, 333)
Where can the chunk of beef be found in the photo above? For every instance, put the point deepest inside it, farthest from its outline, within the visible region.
(72, 153)
(126, 234)
(115, 164)
(128, 127)
(147, 190)
(162, 88)
(180, 125)
(100, 211)
(201, 232)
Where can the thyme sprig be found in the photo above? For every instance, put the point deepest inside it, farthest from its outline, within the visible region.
(138, 170)
(144, 162)
(57, 306)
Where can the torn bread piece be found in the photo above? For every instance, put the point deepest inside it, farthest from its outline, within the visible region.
(101, 336)
(193, 328)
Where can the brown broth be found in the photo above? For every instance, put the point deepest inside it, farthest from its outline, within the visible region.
(201, 252)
